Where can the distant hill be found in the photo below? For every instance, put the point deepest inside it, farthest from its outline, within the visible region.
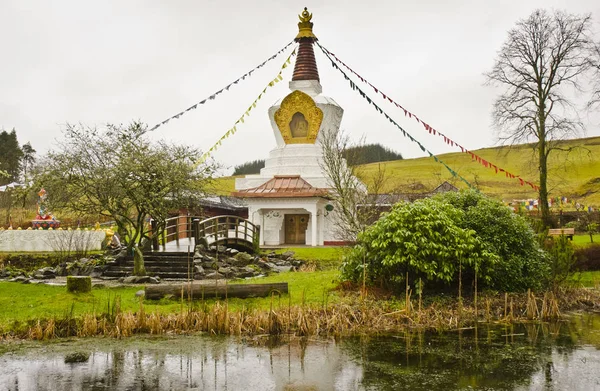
(362, 154)
(574, 174)
(252, 167)
(370, 153)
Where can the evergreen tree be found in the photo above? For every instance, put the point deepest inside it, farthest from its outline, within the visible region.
(10, 156)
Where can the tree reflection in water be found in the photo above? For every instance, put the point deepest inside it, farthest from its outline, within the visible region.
(557, 356)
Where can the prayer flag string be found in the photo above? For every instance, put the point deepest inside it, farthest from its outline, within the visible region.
(404, 132)
(232, 131)
(226, 88)
(430, 129)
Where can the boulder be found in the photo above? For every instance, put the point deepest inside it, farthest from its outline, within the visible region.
(226, 271)
(200, 248)
(197, 255)
(45, 273)
(198, 269)
(214, 276)
(287, 254)
(246, 272)
(141, 280)
(282, 269)
(243, 259)
(221, 248)
(21, 279)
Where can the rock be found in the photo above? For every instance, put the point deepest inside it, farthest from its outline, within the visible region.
(247, 272)
(141, 280)
(45, 273)
(198, 269)
(220, 248)
(233, 251)
(270, 265)
(287, 254)
(214, 276)
(226, 271)
(98, 285)
(120, 257)
(97, 272)
(61, 270)
(79, 357)
(243, 259)
(21, 279)
(129, 280)
(272, 254)
(140, 293)
(282, 269)
(282, 263)
(146, 245)
(200, 248)
(197, 255)
(208, 265)
(208, 258)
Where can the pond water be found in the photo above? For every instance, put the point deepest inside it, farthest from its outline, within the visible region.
(557, 356)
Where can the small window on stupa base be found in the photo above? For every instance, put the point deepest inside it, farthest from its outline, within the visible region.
(299, 125)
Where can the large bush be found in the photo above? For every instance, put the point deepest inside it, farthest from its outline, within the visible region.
(423, 238)
(431, 238)
(522, 263)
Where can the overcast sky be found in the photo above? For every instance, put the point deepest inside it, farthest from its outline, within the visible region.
(116, 61)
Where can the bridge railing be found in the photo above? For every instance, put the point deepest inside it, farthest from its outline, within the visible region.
(227, 230)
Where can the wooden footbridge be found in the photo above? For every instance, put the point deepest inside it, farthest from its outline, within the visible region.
(179, 232)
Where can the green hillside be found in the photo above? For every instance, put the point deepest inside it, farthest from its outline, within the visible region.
(574, 174)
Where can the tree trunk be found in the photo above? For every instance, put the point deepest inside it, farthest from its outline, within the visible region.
(138, 263)
(197, 291)
(543, 166)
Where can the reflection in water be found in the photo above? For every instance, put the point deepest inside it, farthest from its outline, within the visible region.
(523, 357)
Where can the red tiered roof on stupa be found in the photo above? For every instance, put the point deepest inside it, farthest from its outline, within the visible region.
(306, 65)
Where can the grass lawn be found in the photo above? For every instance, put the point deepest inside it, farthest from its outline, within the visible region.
(23, 302)
(586, 279)
(584, 240)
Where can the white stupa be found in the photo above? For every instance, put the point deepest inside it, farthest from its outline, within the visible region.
(289, 199)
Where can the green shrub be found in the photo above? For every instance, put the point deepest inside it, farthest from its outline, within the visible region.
(423, 238)
(587, 258)
(430, 238)
(562, 259)
(523, 264)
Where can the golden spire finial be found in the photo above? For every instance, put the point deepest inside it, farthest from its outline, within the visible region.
(305, 25)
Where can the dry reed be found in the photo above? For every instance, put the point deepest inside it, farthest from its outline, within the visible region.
(351, 315)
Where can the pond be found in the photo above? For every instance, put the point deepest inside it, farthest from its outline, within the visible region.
(547, 356)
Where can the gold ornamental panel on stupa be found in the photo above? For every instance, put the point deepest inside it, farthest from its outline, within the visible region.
(299, 119)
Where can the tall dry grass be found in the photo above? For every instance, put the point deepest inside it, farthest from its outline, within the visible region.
(354, 315)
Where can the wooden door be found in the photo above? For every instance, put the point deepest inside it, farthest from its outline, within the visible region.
(295, 229)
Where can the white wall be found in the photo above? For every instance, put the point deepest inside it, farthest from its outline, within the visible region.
(50, 240)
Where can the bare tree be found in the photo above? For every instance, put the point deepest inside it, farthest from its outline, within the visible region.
(355, 207)
(595, 63)
(544, 60)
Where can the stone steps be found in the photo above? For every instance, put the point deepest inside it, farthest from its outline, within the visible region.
(170, 265)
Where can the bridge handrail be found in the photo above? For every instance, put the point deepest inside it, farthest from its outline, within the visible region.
(223, 227)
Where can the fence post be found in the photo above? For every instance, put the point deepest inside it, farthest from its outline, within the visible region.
(177, 231)
(195, 229)
(154, 227)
